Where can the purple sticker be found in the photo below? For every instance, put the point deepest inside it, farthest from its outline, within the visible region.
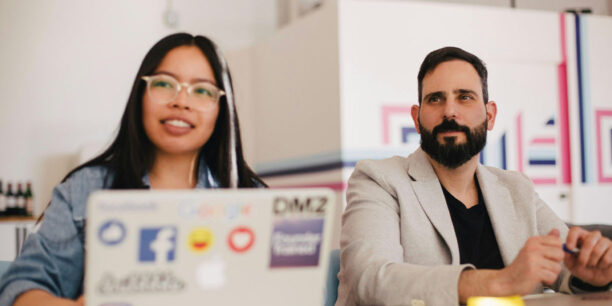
(296, 242)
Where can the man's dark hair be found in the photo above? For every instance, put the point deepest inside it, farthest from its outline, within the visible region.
(435, 58)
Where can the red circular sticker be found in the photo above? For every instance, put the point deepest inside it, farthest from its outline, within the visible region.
(241, 239)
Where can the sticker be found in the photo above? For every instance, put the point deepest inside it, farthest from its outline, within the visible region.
(128, 206)
(112, 232)
(296, 242)
(210, 274)
(309, 205)
(140, 282)
(157, 244)
(200, 239)
(206, 211)
(240, 239)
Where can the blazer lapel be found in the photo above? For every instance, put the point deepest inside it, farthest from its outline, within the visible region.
(431, 198)
(501, 212)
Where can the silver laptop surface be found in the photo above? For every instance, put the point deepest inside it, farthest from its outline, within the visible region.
(213, 247)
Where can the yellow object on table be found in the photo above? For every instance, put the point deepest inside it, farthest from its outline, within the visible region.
(514, 300)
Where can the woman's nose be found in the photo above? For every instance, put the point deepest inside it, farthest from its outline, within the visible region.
(181, 100)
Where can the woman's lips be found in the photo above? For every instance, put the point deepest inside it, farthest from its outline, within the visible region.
(177, 127)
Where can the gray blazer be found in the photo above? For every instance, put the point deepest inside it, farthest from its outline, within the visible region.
(398, 245)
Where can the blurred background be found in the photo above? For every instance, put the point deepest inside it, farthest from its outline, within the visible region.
(319, 85)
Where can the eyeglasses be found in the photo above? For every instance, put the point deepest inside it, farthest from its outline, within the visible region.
(164, 89)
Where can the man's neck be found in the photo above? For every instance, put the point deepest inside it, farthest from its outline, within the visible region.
(460, 181)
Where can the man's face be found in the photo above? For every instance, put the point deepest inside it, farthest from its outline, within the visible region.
(453, 119)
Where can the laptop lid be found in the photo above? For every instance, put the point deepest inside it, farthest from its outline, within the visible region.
(208, 247)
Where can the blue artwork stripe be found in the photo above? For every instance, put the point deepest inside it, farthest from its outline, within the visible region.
(328, 158)
(536, 162)
(587, 117)
(580, 100)
(406, 132)
(308, 169)
(503, 152)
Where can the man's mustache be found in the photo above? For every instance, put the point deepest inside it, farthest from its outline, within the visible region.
(450, 126)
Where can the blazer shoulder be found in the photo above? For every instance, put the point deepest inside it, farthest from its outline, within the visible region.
(514, 179)
(386, 167)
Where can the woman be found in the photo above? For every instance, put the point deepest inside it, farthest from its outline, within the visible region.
(179, 130)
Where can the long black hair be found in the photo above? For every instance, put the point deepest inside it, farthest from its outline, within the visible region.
(131, 154)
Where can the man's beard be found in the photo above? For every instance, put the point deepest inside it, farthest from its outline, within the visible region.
(453, 155)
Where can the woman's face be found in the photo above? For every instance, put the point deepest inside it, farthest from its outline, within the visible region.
(179, 126)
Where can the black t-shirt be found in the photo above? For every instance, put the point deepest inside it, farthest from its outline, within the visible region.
(477, 243)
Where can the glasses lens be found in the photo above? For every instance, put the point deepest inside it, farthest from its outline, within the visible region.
(205, 94)
(162, 88)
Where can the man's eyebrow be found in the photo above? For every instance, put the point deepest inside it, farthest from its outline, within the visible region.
(465, 91)
(435, 93)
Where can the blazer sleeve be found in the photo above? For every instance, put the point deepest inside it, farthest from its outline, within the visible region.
(372, 267)
(546, 221)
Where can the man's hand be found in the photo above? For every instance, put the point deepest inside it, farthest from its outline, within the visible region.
(539, 261)
(593, 264)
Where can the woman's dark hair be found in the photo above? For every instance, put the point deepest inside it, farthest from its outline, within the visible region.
(131, 154)
(436, 57)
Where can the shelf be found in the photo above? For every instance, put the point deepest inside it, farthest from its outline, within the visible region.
(17, 219)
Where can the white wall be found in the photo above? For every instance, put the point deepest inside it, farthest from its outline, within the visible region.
(67, 67)
(296, 91)
(599, 7)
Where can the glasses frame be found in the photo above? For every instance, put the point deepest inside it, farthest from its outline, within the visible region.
(180, 86)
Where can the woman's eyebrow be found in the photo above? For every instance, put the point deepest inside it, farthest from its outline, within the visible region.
(194, 80)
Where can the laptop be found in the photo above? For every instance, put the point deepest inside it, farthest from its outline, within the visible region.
(208, 247)
(560, 299)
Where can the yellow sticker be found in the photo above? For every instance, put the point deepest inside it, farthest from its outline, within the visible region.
(200, 239)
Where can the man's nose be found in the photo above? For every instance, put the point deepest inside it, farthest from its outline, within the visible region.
(450, 109)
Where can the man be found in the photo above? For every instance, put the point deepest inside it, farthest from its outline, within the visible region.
(437, 227)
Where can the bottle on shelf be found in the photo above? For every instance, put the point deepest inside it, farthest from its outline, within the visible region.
(2, 201)
(10, 200)
(29, 200)
(20, 201)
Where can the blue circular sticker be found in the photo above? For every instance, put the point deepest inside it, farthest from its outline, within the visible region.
(111, 232)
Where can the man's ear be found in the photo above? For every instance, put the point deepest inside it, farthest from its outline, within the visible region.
(491, 114)
(414, 112)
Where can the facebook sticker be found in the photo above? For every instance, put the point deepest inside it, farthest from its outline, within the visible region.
(157, 244)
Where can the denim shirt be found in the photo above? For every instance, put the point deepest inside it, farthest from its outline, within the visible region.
(52, 257)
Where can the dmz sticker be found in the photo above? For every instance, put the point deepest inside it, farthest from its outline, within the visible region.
(296, 242)
(111, 232)
(157, 244)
